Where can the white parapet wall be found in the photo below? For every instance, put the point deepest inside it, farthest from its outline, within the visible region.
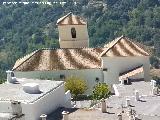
(116, 90)
(44, 105)
(5, 107)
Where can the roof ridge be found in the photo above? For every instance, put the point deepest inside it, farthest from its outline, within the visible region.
(26, 59)
(105, 51)
(61, 19)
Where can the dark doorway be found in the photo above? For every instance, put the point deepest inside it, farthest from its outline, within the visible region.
(73, 32)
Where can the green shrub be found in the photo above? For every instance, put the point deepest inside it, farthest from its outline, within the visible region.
(2, 81)
(76, 86)
(101, 90)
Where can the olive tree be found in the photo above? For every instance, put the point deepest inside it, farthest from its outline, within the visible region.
(101, 90)
(76, 86)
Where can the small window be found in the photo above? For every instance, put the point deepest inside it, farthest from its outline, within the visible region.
(73, 32)
(105, 69)
(62, 77)
(97, 79)
(12, 74)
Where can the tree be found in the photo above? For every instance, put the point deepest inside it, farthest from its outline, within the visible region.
(101, 90)
(76, 86)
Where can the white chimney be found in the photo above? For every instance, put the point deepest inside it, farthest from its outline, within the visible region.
(103, 107)
(65, 115)
(128, 102)
(16, 108)
(31, 88)
(119, 116)
(43, 117)
(137, 98)
(10, 77)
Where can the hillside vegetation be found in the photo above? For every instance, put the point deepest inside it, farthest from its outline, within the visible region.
(25, 28)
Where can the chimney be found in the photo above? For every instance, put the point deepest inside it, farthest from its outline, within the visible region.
(65, 115)
(43, 117)
(119, 116)
(137, 98)
(128, 102)
(103, 107)
(10, 77)
(16, 108)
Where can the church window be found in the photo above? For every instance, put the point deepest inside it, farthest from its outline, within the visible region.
(97, 79)
(62, 76)
(12, 74)
(73, 32)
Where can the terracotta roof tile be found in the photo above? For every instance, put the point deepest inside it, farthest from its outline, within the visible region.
(130, 73)
(61, 59)
(71, 19)
(123, 47)
(78, 58)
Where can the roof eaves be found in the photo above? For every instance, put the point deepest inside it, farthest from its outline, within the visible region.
(14, 69)
(136, 43)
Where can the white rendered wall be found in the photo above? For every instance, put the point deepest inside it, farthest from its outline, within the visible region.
(116, 65)
(5, 106)
(44, 105)
(66, 40)
(87, 74)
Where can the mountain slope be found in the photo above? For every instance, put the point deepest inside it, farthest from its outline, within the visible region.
(24, 28)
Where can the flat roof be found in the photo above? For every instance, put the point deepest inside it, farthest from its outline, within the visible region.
(15, 92)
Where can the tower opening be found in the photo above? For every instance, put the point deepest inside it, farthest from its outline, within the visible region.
(73, 32)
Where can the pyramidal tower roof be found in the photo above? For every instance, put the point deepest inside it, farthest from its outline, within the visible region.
(71, 19)
(123, 47)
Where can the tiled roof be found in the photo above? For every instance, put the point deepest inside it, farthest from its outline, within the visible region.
(71, 19)
(78, 58)
(123, 47)
(60, 59)
(130, 73)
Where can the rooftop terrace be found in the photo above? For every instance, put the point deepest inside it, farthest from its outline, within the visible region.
(15, 91)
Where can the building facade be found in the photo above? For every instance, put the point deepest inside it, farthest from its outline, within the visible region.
(106, 64)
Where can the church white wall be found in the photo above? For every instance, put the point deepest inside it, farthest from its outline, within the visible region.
(44, 105)
(116, 65)
(87, 74)
(66, 40)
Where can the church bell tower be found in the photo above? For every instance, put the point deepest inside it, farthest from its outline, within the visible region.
(73, 32)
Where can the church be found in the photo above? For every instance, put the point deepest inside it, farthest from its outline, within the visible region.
(117, 61)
